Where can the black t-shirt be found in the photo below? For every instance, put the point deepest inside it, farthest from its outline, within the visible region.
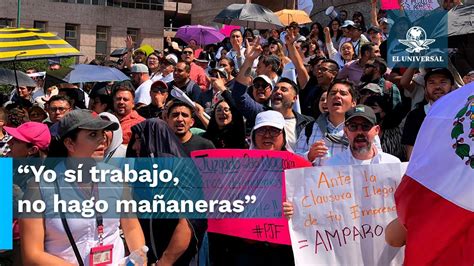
(412, 125)
(150, 111)
(197, 143)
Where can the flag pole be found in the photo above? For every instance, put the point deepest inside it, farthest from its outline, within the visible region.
(14, 69)
(18, 14)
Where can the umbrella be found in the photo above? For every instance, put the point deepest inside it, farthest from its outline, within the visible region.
(119, 52)
(287, 16)
(461, 20)
(201, 34)
(248, 15)
(86, 73)
(7, 77)
(25, 44)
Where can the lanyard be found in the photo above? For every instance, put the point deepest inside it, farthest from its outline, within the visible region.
(98, 217)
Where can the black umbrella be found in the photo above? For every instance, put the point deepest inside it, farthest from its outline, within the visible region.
(7, 77)
(118, 52)
(460, 21)
(248, 15)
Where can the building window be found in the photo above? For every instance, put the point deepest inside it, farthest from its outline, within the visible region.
(71, 35)
(6, 22)
(135, 34)
(101, 42)
(40, 25)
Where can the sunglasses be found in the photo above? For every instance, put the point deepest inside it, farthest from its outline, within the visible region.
(187, 52)
(353, 127)
(273, 132)
(259, 86)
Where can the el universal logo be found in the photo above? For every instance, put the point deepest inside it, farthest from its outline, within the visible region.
(417, 42)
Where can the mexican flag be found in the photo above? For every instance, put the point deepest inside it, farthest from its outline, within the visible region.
(435, 200)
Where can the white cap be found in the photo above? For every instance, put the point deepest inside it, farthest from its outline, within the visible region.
(139, 68)
(172, 57)
(301, 39)
(265, 78)
(269, 118)
(348, 23)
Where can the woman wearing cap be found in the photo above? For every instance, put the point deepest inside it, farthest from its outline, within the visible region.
(29, 140)
(71, 241)
(269, 132)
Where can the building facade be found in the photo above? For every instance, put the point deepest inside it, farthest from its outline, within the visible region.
(95, 27)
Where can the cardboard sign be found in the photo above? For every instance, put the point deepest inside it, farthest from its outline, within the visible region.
(273, 230)
(340, 214)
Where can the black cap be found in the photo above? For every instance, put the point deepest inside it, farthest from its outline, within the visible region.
(440, 71)
(362, 111)
(83, 119)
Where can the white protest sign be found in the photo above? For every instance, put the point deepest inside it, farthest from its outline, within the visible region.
(340, 214)
(418, 8)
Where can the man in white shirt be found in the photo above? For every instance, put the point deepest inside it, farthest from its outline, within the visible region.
(361, 129)
(141, 79)
(236, 54)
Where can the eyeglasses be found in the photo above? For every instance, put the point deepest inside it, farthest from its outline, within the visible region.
(187, 52)
(273, 132)
(322, 69)
(353, 127)
(56, 109)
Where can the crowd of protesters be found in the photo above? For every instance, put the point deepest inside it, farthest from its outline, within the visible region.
(287, 90)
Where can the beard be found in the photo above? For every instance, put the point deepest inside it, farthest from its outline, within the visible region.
(364, 149)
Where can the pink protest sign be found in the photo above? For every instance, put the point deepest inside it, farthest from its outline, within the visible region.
(227, 29)
(390, 4)
(273, 230)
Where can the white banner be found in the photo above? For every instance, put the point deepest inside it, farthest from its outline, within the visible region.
(340, 214)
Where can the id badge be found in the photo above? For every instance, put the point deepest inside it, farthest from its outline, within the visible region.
(101, 255)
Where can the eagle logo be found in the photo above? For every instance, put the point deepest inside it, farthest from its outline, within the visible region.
(464, 138)
(416, 40)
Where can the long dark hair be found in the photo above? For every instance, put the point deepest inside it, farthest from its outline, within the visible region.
(338, 33)
(232, 135)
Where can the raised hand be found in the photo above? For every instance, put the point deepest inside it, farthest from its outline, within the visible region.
(290, 37)
(129, 43)
(317, 150)
(218, 83)
(254, 49)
